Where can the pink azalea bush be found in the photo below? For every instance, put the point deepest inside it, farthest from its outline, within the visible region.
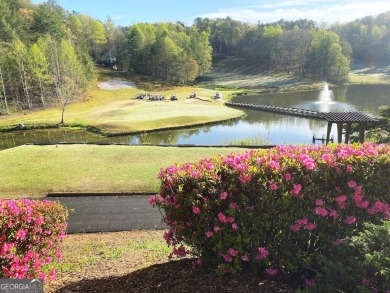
(31, 237)
(273, 210)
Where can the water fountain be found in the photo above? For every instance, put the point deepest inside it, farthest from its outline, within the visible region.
(326, 95)
(326, 102)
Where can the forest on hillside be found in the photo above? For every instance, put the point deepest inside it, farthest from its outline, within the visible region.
(47, 54)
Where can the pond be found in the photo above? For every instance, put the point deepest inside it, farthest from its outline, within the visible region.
(261, 127)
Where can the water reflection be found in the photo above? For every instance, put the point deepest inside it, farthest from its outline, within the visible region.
(272, 127)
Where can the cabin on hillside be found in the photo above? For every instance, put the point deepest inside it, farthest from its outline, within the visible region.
(107, 60)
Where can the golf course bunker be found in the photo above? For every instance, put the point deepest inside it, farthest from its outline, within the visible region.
(116, 84)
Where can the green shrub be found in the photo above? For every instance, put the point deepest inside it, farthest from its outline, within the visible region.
(359, 264)
(273, 210)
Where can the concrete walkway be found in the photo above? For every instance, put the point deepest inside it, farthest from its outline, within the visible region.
(110, 213)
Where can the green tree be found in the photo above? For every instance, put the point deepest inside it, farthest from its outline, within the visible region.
(188, 69)
(327, 61)
(135, 45)
(20, 57)
(94, 34)
(201, 51)
(70, 76)
(39, 68)
(165, 54)
(49, 18)
(7, 33)
(3, 95)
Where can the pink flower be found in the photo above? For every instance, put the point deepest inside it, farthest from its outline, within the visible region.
(216, 229)
(341, 201)
(209, 234)
(379, 207)
(358, 189)
(352, 184)
(166, 235)
(366, 281)
(271, 272)
(245, 178)
(21, 234)
(303, 221)
(295, 227)
(6, 247)
(273, 186)
(151, 200)
(321, 211)
(287, 176)
(235, 226)
(195, 210)
(319, 202)
(340, 241)
(263, 253)
(245, 258)
(274, 165)
(311, 226)
(333, 214)
(233, 205)
(297, 188)
(362, 204)
(350, 220)
(222, 217)
(227, 257)
(310, 283)
(230, 219)
(232, 251)
(223, 195)
(209, 166)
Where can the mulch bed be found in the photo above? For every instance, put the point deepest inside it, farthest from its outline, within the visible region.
(178, 276)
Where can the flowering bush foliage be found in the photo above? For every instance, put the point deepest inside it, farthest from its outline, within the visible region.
(273, 210)
(31, 236)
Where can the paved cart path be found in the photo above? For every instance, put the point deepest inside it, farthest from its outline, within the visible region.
(110, 213)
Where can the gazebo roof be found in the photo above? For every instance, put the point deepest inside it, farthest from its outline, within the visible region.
(346, 117)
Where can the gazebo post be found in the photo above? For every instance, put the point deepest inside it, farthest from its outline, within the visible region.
(362, 128)
(328, 132)
(348, 130)
(339, 132)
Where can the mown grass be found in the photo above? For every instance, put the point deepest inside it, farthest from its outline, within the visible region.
(118, 111)
(369, 79)
(91, 255)
(34, 171)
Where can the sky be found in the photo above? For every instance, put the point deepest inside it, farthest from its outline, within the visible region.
(128, 12)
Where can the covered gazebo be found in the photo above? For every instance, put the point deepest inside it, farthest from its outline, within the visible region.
(341, 118)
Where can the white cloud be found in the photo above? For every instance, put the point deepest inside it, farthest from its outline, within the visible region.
(317, 10)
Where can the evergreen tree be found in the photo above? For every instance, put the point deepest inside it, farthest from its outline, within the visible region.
(49, 18)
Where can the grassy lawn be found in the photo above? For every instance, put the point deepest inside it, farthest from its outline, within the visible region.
(37, 170)
(118, 111)
(100, 255)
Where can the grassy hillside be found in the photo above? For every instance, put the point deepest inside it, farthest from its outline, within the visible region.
(37, 170)
(234, 72)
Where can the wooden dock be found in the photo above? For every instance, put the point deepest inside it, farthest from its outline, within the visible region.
(280, 110)
(339, 118)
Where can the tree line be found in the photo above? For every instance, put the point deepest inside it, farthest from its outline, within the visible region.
(47, 54)
(317, 51)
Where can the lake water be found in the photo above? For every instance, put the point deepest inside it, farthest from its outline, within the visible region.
(264, 127)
